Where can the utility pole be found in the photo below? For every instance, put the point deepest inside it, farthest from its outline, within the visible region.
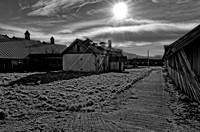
(148, 57)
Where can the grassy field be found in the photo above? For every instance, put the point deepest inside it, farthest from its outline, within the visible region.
(28, 95)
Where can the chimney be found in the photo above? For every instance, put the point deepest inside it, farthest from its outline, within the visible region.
(27, 35)
(109, 44)
(52, 40)
(103, 44)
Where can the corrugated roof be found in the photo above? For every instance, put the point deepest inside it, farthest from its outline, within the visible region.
(1, 36)
(182, 42)
(21, 49)
(4, 38)
(47, 49)
(13, 50)
(186, 39)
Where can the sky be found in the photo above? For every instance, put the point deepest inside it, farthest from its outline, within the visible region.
(149, 24)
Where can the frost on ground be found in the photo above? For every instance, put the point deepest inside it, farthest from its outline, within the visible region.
(44, 77)
(187, 111)
(42, 106)
(6, 78)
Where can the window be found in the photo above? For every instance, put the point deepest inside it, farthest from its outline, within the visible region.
(78, 48)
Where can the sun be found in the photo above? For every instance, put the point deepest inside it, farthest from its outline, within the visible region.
(120, 10)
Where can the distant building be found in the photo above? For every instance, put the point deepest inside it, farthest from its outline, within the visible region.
(90, 57)
(23, 54)
(143, 61)
(152, 62)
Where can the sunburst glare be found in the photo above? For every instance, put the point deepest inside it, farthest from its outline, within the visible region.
(120, 10)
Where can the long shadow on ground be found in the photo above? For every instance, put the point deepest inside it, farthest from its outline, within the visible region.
(43, 78)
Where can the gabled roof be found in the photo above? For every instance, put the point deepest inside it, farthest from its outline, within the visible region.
(4, 38)
(88, 44)
(182, 42)
(74, 42)
(95, 49)
(21, 49)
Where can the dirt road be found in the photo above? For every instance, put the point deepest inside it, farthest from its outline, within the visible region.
(110, 102)
(150, 111)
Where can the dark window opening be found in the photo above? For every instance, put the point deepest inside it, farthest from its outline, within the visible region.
(78, 48)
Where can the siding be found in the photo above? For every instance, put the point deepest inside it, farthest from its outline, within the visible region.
(182, 74)
(196, 58)
(79, 62)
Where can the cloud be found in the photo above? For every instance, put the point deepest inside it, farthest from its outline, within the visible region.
(168, 10)
(95, 11)
(149, 23)
(88, 2)
(140, 30)
(55, 7)
(141, 37)
(24, 4)
(172, 27)
(83, 25)
(176, 1)
(105, 24)
(9, 28)
(36, 34)
(141, 49)
(40, 23)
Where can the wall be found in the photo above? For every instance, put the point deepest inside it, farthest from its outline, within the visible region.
(193, 54)
(79, 62)
(45, 62)
(196, 59)
(13, 65)
(102, 62)
(114, 66)
(5, 65)
(122, 66)
(181, 72)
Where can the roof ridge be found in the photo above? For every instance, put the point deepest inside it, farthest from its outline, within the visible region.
(179, 43)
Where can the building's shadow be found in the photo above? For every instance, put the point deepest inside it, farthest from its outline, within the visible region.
(48, 77)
